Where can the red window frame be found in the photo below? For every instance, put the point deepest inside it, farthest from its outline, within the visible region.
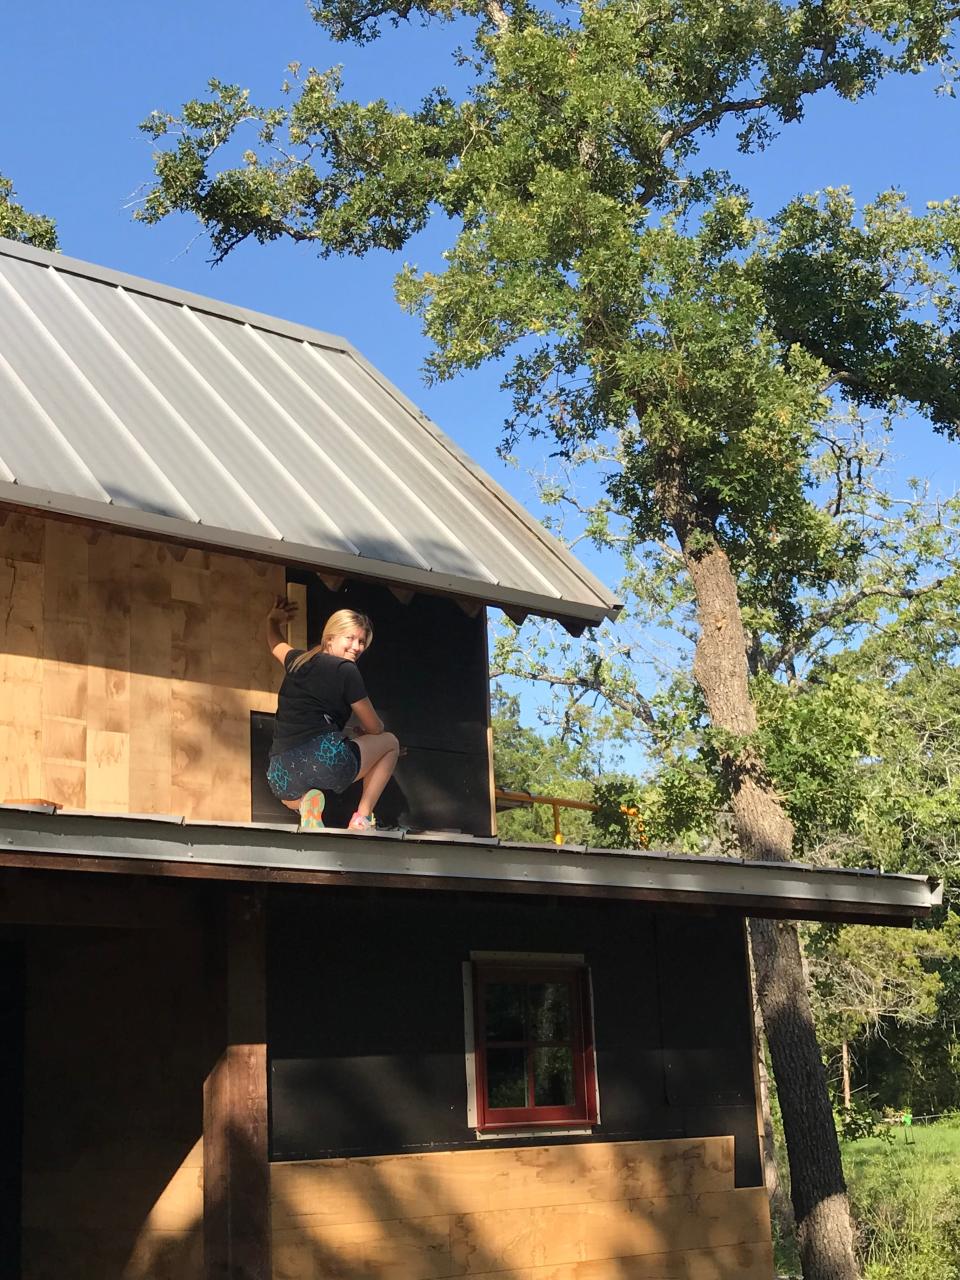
(583, 1110)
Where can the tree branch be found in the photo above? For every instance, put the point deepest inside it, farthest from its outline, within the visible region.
(817, 621)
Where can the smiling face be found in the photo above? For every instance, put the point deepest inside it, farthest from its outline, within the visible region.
(348, 644)
(346, 634)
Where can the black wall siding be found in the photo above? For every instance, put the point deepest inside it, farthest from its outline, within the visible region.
(426, 673)
(12, 1003)
(365, 1012)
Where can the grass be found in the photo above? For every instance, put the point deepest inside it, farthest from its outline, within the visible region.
(905, 1199)
(933, 1149)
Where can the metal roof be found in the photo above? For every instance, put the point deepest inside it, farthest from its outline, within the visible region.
(43, 837)
(131, 403)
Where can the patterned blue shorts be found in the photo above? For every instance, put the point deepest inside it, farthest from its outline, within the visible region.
(329, 762)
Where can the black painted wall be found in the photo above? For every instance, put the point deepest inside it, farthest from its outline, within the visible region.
(365, 1010)
(11, 1104)
(426, 673)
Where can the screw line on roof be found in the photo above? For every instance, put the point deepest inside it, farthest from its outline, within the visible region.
(291, 373)
(39, 410)
(441, 479)
(265, 456)
(71, 365)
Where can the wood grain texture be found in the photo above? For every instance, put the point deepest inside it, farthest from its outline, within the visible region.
(341, 1191)
(641, 1210)
(743, 1261)
(297, 630)
(130, 668)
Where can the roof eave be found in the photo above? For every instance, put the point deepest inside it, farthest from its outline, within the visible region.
(170, 528)
(165, 846)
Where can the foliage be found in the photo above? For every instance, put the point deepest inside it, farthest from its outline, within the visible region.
(17, 224)
(861, 1120)
(618, 822)
(863, 975)
(524, 760)
(906, 1204)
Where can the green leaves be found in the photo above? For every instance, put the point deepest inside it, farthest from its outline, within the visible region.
(875, 299)
(17, 224)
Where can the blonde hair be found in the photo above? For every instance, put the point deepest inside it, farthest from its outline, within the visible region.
(339, 622)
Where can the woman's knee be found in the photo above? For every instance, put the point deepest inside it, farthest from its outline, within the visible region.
(391, 743)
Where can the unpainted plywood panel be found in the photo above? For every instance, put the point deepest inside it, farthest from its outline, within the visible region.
(719, 1236)
(729, 1262)
(130, 668)
(21, 620)
(108, 771)
(65, 566)
(342, 1191)
(22, 536)
(641, 1210)
(297, 629)
(513, 1238)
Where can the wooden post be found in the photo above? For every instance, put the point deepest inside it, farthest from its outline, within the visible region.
(236, 1169)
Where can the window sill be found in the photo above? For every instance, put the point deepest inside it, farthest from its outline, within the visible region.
(551, 1131)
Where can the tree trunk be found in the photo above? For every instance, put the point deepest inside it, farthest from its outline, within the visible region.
(765, 832)
(781, 1210)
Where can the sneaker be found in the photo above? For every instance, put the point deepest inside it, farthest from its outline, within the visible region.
(360, 822)
(311, 810)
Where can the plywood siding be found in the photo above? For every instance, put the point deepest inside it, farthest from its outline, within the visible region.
(638, 1210)
(130, 668)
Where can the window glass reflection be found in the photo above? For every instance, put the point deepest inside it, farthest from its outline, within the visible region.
(504, 1011)
(553, 1077)
(506, 1078)
(550, 1010)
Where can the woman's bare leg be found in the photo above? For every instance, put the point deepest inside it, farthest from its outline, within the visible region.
(378, 759)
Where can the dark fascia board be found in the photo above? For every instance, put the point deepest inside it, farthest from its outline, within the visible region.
(143, 845)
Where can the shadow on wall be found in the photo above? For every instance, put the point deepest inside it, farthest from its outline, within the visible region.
(635, 1210)
(116, 1058)
(113, 1106)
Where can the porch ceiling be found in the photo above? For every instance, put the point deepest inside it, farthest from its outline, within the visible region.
(133, 404)
(44, 838)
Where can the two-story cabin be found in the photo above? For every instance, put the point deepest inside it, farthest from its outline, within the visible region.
(234, 1050)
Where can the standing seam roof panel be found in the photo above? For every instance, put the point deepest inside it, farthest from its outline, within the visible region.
(376, 464)
(196, 457)
(481, 527)
(118, 393)
(259, 417)
(99, 438)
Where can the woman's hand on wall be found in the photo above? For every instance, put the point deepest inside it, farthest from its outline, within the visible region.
(283, 611)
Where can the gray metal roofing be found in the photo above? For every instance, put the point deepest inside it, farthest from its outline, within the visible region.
(129, 402)
(31, 833)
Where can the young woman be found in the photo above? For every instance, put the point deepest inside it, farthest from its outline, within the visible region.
(321, 690)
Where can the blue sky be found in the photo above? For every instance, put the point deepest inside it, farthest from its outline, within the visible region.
(75, 80)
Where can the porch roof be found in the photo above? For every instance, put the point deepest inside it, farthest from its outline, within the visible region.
(145, 407)
(43, 837)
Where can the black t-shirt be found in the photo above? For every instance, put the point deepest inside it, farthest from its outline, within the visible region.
(315, 698)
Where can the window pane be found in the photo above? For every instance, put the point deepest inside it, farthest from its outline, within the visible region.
(504, 1011)
(550, 1013)
(506, 1078)
(553, 1078)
